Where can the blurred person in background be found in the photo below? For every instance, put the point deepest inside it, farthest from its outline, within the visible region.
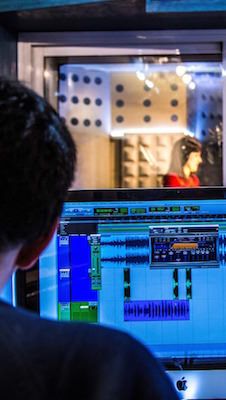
(186, 158)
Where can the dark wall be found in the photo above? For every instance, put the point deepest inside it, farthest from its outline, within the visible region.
(8, 53)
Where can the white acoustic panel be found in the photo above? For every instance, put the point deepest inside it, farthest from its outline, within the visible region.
(134, 105)
(84, 102)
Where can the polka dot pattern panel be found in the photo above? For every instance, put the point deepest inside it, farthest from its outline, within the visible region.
(87, 113)
(205, 104)
(134, 104)
(120, 100)
(84, 99)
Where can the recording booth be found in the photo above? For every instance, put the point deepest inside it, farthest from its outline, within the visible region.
(150, 262)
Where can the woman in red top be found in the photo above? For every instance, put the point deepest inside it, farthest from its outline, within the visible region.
(185, 160)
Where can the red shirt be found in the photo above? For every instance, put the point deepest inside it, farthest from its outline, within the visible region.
(174, 180)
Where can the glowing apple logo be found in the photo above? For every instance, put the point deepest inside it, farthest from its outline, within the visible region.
(181, 384)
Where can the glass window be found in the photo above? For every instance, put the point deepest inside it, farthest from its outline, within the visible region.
(147, 121)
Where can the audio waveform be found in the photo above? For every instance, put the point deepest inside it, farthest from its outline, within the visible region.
(156, 310)
(130, 259)
(131, 242)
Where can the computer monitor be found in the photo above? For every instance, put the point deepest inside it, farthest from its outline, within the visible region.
(147, 261)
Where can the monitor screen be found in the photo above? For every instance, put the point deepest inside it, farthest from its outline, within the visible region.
(150, 262)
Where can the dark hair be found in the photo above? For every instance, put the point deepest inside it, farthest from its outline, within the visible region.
(180, 153)
(37, 162)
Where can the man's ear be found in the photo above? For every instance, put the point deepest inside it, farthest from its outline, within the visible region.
(29, 253)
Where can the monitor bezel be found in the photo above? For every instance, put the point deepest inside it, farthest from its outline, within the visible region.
(146, 194)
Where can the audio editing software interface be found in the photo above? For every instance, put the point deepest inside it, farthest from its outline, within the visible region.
(155, 269)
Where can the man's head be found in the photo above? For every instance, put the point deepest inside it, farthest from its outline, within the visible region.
(37, 161)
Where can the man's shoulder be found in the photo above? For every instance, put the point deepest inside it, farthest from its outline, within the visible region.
(21, 320)
(109, 361)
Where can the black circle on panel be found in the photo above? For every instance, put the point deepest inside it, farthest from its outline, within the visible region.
(98, 122)
(174, 87)
(98, 102)
(174, 102)
(147, 103)
(147, 118)
(212, 98)
(74, 121)
(119, 88)
(86, 122)
(203, 114)
(75, 99)
(86, 79)
(86, 101)
(119, 119)
(119, 103)
(62, 76)
(212, 116)
(62, 98)
(219, 116)
(203, 132)
(174, 117)
(203, 96)
(75, 78)
(98, 80)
